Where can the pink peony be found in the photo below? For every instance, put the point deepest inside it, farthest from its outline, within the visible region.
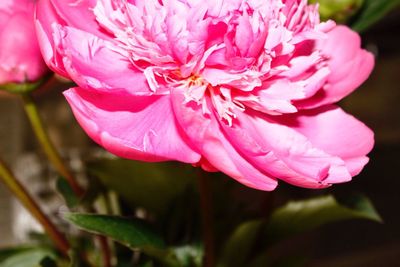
(20, 57)
(245, 87)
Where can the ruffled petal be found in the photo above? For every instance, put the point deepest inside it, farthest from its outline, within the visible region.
(78, 14)
(96, 63)
(283, 152)
(334, 131)
(204, 132)
(46, 16)
(139, 128)
(74, 13)
(350, 66)
(273, 97)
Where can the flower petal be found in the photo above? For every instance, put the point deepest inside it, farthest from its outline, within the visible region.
(350, 66)
(96, 63)
(140, 128)
(205, 133)
(45, 18)
(331, 129)
(77, 14)
(283, 152)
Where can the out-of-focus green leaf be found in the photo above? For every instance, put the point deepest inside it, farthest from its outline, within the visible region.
(27, 258)
(373, 11)
(240, 244)
(300, 216)
(338, 10)
(148, 185)
(293, 218)
(132, 233)
(67, 193)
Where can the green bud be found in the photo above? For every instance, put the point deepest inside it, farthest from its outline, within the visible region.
(338, 10)
(23, 87)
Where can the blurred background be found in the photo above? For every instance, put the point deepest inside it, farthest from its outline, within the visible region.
(345, 244)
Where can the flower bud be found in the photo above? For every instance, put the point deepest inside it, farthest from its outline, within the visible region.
(338, 10)
(20, 57)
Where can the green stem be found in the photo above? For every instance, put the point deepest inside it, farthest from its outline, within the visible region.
(20, 193)
(55, 158)
(207, 219)
(104, 244)
(47, 145)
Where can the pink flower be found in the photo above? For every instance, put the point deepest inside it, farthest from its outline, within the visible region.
(245, 87)
(20, 58)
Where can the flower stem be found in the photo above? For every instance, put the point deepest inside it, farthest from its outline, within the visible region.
(55, 158)
(207, 219)
(20, 193)
(106, 254)
(47, 145)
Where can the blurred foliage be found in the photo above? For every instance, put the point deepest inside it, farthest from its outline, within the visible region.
(28, 257)
(133, 233)
(159, 221)
(294, 218)
(372, 11)
(67, 193)
(360, 14)
(300, 216)
(245, 245)
(338, 10)
(136, 181)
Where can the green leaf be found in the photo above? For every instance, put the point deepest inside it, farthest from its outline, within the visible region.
(149, 185)
(67, 193)
(300, 216)
(373, 11)
(132, 233)
(27, 258)
(240, 244)
(293, 218)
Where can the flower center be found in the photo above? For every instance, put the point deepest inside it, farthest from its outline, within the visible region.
(223, 55)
